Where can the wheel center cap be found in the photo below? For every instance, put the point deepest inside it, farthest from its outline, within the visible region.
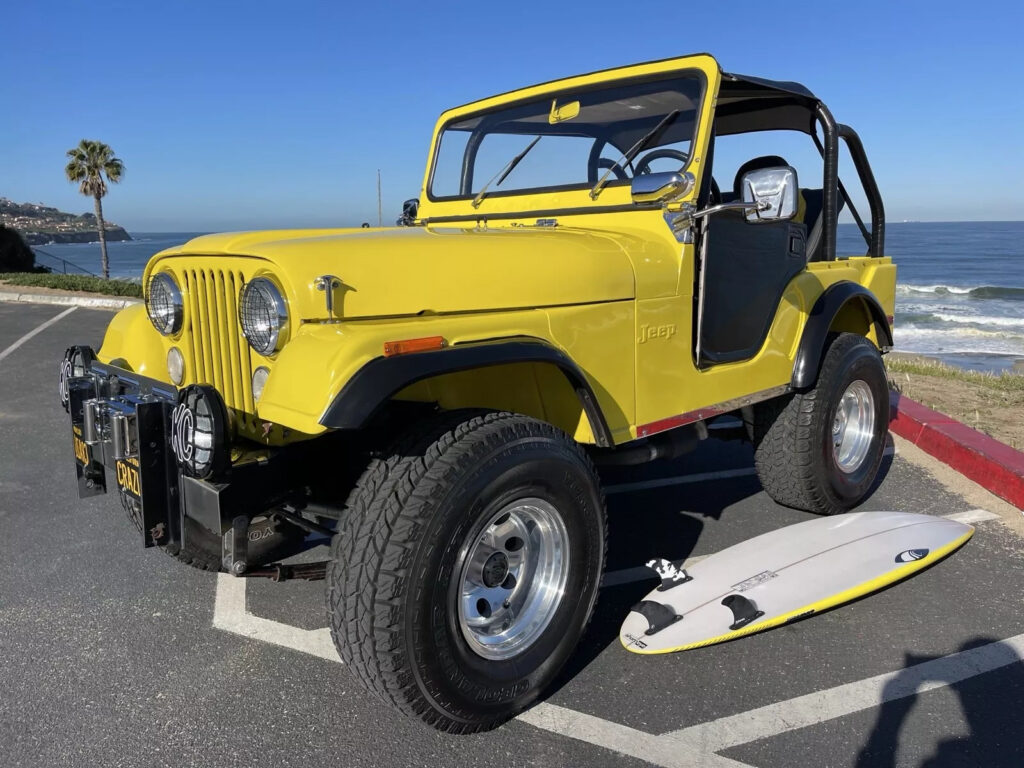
(495, 569)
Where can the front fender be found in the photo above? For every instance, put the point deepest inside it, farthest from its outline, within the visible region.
(313, 367)
(132, 339)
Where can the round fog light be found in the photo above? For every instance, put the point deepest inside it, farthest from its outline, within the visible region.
(259, 380)
(200, 437)
(176, 366)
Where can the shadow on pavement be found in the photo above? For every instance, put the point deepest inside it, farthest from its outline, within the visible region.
(664, 522)
(991, 702)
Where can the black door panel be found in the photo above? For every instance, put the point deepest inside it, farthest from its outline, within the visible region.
(745, 269)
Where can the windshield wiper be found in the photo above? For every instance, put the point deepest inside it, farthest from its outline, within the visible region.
(503, 173)
(633, 151)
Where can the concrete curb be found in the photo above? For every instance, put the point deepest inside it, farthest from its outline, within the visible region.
(993, 465)
(89, 302)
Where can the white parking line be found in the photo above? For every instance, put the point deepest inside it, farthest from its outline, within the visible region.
(34, 331)
(842, 700)
(230, 614)
(972, 516)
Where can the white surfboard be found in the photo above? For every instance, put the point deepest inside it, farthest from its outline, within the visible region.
(785, 575)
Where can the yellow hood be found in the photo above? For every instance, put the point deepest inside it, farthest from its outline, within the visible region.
(409, 271)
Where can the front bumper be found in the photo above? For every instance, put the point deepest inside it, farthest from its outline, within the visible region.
(122, 422)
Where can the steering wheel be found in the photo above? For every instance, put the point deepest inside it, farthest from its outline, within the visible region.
(618, 171)
(644, 166)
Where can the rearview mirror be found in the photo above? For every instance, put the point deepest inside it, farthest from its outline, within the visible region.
(661, 187)
(773, 192)
(409, 210)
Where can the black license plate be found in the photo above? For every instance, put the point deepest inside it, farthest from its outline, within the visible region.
(83, 454)
(128, 478)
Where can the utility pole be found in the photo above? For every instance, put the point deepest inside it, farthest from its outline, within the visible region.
(380, 213)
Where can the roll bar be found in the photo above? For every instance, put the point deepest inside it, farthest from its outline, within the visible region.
(833, 187)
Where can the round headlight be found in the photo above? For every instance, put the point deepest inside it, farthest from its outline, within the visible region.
(263, 315)
(163, 303)
(176, 366)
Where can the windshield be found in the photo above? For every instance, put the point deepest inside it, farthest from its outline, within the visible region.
(584, 134)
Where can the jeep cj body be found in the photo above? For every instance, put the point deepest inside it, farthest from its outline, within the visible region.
(579, 283)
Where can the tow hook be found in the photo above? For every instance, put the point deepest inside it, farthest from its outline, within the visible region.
(235, 552)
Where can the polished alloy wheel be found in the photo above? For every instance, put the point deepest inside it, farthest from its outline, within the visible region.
(853, 426)
(513, 579)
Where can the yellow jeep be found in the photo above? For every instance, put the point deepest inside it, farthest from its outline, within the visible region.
(579, 283)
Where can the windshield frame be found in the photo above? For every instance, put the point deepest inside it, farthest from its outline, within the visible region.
(567, 91)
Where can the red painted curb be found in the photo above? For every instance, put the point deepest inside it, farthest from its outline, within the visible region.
(993, 465)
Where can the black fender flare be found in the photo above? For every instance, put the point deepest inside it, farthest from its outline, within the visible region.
(824, 311)
(383, 377)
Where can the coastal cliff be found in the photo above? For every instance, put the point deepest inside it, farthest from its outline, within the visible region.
(39, 224)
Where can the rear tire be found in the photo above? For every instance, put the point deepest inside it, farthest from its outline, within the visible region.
(426, 602)
(820, 450)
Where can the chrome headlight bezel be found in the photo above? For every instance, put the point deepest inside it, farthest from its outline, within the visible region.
(263, 315)
(164, 304)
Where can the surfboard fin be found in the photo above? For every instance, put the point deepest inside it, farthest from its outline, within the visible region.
(671, 576)
(743, 610)
(658, 615)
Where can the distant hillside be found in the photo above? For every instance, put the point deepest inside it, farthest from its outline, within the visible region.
(39, 224)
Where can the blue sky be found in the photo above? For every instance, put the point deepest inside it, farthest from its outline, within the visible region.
(253, 115)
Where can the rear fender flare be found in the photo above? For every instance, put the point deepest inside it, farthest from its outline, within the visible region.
(815, 335)
(383, 377)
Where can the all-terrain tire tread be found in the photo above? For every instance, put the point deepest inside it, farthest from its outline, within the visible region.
(372, 550)
(785, 446)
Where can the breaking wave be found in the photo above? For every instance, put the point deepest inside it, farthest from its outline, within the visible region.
(978, 292)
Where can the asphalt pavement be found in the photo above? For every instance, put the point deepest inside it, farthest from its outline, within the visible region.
(115, 655)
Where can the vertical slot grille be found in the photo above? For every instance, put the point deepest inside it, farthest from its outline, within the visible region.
(219, 352)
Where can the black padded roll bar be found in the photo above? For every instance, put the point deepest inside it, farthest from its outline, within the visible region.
(867, 181)
(830, 207)
(833, 186)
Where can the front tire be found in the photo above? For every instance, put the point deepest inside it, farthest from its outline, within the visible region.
(466, 566)
(820, 450)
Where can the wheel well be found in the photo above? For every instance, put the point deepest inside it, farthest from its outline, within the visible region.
(844, 306)
(521, 375)
(855, 317)
(539, 390)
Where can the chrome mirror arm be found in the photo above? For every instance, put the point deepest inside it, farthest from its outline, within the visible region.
(753, 205)
(680, 221)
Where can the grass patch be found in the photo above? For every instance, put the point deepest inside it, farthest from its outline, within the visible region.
(73, 283)
(1006, 381)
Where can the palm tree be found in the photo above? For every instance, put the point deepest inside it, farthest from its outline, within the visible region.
(88, 164)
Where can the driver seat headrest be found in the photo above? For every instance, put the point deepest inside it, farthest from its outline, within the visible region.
(765, 161)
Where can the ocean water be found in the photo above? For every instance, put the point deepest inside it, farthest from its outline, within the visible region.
(960, 291)
(127, 259)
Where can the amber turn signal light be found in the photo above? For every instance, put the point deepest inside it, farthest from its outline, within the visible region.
(412, 345)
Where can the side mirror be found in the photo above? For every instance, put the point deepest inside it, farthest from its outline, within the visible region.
(773, 194)
(409, 210)
(661, 187)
